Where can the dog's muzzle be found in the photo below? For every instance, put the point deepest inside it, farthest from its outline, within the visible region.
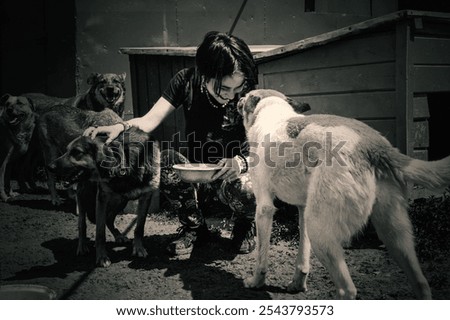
(13, 117)
(240, 106)
(68, 176)
(111, 94)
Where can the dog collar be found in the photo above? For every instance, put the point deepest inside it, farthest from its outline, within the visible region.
(117, 172)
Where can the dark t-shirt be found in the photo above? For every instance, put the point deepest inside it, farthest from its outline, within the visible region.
(212, 133)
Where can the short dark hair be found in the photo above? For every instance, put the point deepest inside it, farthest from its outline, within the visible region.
(221, 54)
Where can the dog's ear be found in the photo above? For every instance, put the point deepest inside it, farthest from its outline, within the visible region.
(122, 76)
(251, 102)
(31, 104)
(299, 107)
(91, 146)
(93, 78)
(4, 98)
(240, 106)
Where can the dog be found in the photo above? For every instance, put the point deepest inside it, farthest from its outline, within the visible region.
(17, 123)
(341, 172)
(58, 126)
(106, 91)
(107, 177)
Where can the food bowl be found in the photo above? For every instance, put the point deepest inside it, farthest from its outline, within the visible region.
(196, 172)
(26, 292)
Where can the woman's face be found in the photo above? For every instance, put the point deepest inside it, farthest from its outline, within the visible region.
(231, 85)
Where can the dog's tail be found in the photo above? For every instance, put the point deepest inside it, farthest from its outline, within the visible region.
(430, 174)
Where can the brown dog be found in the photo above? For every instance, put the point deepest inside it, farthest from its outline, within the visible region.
(107, 176)
(17, 122)
(59, 125)
(342, 172)
(106, 91)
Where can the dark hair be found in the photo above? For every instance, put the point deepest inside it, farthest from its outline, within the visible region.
(221, 54)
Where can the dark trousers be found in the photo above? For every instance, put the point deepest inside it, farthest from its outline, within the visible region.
(192, 201)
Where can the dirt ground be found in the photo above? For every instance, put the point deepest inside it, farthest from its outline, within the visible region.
(38, 245)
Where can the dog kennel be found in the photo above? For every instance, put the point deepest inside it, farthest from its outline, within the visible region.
(151, 69)
(385, 71)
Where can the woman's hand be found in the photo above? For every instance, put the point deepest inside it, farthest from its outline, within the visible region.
(112, 131)
(230, 170)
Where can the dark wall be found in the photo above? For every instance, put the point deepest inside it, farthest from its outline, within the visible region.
(37, 38)
(105, 26)
(425, 5)
(51, 46)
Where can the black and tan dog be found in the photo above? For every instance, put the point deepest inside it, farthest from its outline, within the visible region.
(106, 91)
(126, 169)
(17, 123)
(59, 125)
(342, 172)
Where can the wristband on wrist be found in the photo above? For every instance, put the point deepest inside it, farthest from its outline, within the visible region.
(126, 125)
(242, 162)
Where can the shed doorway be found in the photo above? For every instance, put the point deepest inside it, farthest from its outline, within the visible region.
(439, 106)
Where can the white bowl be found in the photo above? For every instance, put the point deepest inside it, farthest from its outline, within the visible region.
(196, 172)
(26, 292)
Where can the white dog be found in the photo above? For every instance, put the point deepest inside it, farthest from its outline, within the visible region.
(341, 172)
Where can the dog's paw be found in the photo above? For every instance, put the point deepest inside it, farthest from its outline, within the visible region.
(296, 288)
(4, 197)
(82, 249)
(29, 187)
(139, 251)
(255, 282)
(13, 194)
(298, 283)
(121, 239)
(103, 262)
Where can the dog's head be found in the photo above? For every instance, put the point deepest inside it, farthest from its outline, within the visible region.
(108, 88)
(247, 104)
(86, 159)
(16, 109)
(79, 163)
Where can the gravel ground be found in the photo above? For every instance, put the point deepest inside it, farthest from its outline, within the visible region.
(38, 245)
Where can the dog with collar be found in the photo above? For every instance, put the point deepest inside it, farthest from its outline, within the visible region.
(17, 123)
(338, 172)
(106, 178)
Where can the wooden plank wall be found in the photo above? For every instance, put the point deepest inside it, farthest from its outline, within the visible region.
(383, 78)
(150, 76)
(353, 77)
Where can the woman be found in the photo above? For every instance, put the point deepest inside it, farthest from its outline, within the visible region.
(208, 93)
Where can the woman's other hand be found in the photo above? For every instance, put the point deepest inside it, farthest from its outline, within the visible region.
(112, 131)
(230, 170)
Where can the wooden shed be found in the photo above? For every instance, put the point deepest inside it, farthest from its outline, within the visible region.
(391, 72)
(151, 70)
(384, 71)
